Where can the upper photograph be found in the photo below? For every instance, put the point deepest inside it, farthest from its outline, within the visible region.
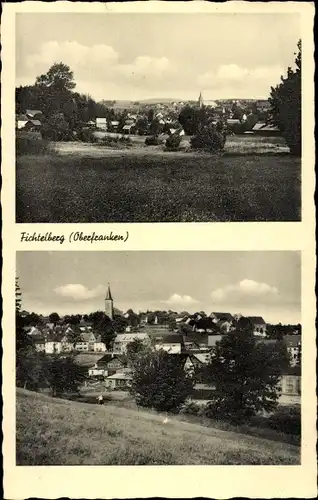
(124, 117)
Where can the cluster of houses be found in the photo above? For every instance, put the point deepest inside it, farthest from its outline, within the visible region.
(190, 339)
(165, 115)
(30, 121)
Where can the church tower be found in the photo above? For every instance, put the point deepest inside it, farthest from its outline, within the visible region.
(109, 307)
(200, 100)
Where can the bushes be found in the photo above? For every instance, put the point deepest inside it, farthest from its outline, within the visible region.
(191, 408)
(152, 141)
(86, 135)
(27, 146)
(209, 137)
(286, 419)
(173, 142)
(117, 141)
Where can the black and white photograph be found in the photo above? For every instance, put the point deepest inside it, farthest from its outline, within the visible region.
(158, 358)
(163, 117)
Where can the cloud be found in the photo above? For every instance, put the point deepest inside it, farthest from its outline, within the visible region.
(233, 76)
(72, 53)
(176, 299)
(79, 292)
(245, 291)
(98, 64)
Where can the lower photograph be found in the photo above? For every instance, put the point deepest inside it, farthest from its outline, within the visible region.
(158, 358)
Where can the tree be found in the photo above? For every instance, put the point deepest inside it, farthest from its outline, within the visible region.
(285, 100)
(142, 125)
(106, 329)
(54, 318)
(59, 77)
(159, 381)
(64, 375)
(245, 373)
(134, 349)
(210, 137)
(31, 369)
(22, 339)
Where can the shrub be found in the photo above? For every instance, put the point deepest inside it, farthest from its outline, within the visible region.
(152, 141)
(173, 142)
(209, 137)
(86, 135)
(26, 146)
(286, 419)
(116, 141)
(190, 408)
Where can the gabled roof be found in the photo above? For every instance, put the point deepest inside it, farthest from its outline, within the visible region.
(224, 316)
(171, 338)
(22, 118)
(256, 320)
(36, 122)
(129, 337)
(104, 360)
(33, 112)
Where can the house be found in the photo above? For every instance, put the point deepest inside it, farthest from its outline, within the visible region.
(293, 344)
(53, 346)
(99, 346)
(21, 121)
(123, 339)
(101, 123)
(25, 123)
(195, 341)
(224, 326)
(120, 380)
(114, 124)
(290, 385)
(213, 339)
(112, 363)
(33, 330)
(39, 343)
(67, 345)
(259, 325)
(128, 129)
(172, 343)
(86, 342)
(264, 129)
(221, 316)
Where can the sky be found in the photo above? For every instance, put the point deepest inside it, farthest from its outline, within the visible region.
(140, 56)
(252, 283)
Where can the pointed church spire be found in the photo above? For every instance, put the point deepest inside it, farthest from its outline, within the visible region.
(108, 294)
(200, 100)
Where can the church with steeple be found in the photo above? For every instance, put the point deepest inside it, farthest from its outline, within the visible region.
(200, 100)
(109, 304)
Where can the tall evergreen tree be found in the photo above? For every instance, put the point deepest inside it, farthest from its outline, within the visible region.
(285, 102)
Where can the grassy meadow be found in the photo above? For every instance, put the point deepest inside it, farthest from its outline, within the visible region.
(254, 180)
(59, 432)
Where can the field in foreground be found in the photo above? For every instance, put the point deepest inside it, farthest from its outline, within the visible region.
(58, 432)
(96, 184)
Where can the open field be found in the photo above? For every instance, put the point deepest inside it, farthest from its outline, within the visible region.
(254, 180)
(58, 432)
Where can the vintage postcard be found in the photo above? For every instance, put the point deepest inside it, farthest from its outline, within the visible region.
(154, 360)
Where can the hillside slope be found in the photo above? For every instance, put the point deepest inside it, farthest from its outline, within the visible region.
(58, 432)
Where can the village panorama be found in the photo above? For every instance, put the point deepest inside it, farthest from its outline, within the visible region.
(170, 373)
(158, 131)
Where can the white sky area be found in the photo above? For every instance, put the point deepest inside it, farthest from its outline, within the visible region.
(255, 283)
(139, 56)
